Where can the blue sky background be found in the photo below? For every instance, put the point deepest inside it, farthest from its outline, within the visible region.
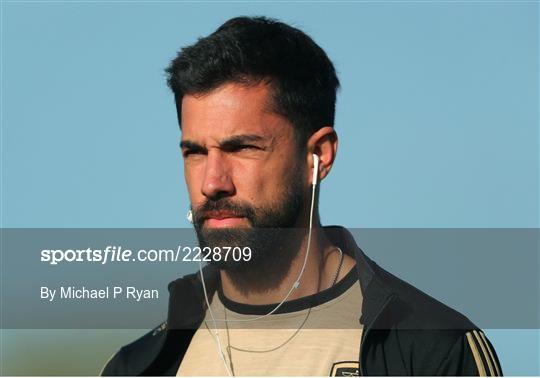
(437, 117)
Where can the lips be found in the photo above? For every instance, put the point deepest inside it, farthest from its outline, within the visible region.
(221, 215)
(223, 219)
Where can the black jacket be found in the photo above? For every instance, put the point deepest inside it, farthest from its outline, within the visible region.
(406, 332)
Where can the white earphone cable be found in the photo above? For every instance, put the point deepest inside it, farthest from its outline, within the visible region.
(295, 285)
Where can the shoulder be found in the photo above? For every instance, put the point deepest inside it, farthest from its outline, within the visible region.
(133, 358)
(419, 310)
(433, 338)
(160, 350)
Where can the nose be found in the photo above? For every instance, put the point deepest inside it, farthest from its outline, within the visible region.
(217, 181)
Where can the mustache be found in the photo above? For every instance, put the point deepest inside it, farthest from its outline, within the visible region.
(239, 209)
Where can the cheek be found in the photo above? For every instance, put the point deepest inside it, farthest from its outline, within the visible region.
(250, 181)
(263, 184)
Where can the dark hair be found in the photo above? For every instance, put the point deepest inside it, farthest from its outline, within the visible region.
(254, 49)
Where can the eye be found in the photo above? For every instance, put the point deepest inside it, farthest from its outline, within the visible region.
(245, 147)
(187, 153)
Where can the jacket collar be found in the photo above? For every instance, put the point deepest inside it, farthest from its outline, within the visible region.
(187, 305)
(375, 293)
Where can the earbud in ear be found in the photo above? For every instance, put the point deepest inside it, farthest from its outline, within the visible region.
(315, 169)
(189, 216)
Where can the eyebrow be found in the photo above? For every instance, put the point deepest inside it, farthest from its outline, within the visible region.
(233, 141)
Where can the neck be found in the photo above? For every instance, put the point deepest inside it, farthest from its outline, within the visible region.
(321, 266)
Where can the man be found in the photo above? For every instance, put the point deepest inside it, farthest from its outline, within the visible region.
(255, 103)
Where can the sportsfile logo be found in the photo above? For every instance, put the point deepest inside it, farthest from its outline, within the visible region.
(110, 253)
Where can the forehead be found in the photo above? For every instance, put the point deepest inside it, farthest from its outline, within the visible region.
(232, 109)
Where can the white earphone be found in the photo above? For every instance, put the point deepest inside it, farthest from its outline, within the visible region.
(296, 284)
(315, 176)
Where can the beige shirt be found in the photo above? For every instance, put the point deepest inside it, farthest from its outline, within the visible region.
(317, 335)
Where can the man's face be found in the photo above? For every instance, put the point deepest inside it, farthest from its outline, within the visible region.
(241, 161)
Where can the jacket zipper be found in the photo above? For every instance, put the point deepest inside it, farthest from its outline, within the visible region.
(368, 329)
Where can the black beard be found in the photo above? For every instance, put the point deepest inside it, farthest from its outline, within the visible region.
(273, 241)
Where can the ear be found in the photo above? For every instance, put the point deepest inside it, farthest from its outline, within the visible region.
(324, 143)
